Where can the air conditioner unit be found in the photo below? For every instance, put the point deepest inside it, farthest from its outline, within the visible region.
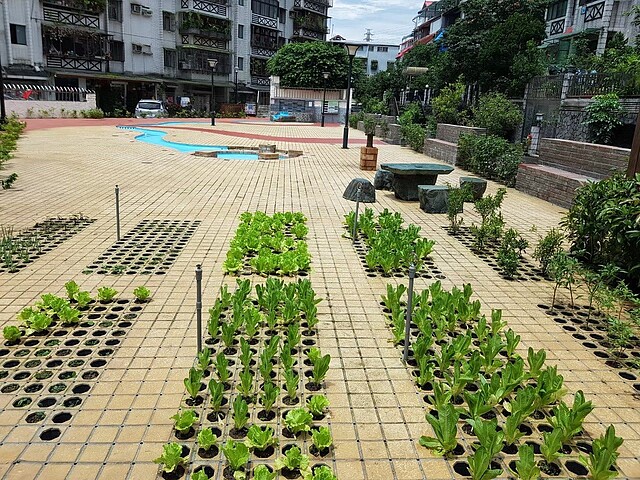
(146, 12)
(185, 66)
(136, 48)
(146, 49)
(136, 9)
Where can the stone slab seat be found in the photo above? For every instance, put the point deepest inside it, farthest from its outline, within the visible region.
(441, 150)
(407, 177)
(549, 183)
(434, 198)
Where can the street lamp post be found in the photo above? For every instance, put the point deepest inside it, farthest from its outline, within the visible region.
(213, 63)
(3, 112)
(236, 87)
(352, 49)
(324, 96)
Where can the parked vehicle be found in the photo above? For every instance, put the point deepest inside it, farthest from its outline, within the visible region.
(150, 109)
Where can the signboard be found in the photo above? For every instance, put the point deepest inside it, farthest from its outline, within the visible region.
(250, 108)
(332, 107)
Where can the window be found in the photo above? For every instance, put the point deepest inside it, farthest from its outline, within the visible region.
(389, 65)
(117, 51)
(136, 48)
(18, 34)
(240, 63)
(241, 3)
(115, 10)
(240, 31)
(556, 9)
(266, 8)
(169, 58)
(383, 49)
(374, 65)
(168, 21)
(282, 13)
(264, 37)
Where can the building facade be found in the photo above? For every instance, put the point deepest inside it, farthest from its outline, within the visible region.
(377, 57)
(127, 50)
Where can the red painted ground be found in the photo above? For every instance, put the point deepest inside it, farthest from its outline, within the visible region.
(46, 123)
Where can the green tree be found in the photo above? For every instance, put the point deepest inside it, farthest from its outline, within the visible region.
(302, 64)
(497, 114)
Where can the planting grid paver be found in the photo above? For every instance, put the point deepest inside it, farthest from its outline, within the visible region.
(377, 416)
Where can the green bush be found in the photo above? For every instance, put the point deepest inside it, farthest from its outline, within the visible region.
(490, 156)
(355, 118)
(92, 113)
(412, 114)
(413, 135)
(374, 105)
(447, 106)
(603, 116)
(602, 225)
(9, 134)
(497, 114)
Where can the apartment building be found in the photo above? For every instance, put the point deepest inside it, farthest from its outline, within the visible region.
(126, 50)
(377, 57)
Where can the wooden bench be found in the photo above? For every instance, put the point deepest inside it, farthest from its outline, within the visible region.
(408, 176)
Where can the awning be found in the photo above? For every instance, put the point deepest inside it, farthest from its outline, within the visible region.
(425, 40)
(399, 55)
(567, 35)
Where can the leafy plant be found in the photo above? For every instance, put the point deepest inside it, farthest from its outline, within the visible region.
(551, 445)
(322, 472)
(260, 438)
(204, 359)
(216, 394)
(269, 395)
(72, 289)
(240, 413)
(479, 464)
(445, 430)
(490, 156)
(142, 293)
(83, 299)
(106, 294)
(184, 420)
(491, 439)
(497, 114)
(192, 382)
(298, 420)
(602, 460)
(207, 439)
(320, 367)
(294, 459)
(237, 455)
(261, 472)
(69, 315)
(245, 387)
(457, 197)
(603, 116)
(526, 467)
(317, 404)
(171, 457)
(200, 475)
(548, 247)
(321, 438)
(222, 367)
(569, 420)
(11, 333)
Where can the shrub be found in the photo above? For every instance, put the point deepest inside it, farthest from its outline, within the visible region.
(603, 116)
(355, 118)
(92, 113)
(497, 114)
(602, 224)
(412, 114)
(490, 156)
(447, 105)
(374, 105)
(413, 135)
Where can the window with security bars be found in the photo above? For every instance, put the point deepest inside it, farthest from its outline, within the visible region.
(170, 58)
(266, 8)
(556, 10)
(116, 50)
(115, 10)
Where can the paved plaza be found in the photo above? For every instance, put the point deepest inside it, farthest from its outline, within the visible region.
(376, 414)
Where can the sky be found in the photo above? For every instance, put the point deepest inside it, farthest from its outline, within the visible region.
(389, 20)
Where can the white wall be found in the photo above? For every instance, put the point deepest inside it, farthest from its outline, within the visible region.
(34, 109)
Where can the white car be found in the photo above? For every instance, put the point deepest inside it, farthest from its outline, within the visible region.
(150, 109)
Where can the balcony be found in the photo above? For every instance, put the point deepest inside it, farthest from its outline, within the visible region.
(306, 34)
(556, 27)
(259, 51)
(316, 6)
(71, 62)
(594, 12)
(211, 7)
(204, 41)
(260, 81)
(64, 17)
(93, 6)
(264, 21)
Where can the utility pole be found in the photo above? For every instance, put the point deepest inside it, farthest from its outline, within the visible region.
(368, 36)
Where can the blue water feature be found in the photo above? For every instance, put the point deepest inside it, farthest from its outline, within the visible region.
(156, 137)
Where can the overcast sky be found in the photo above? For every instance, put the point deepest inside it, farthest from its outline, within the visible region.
(389, 20)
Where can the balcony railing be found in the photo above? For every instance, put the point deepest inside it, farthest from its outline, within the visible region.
(214, 7)
(206, 33)
(260, 80)
(316, 6)
(310, 34)
(74, 63)
(262, 51)
(70, 18)
(557, 27)
(76, 5)
(594, 12)
(588, 85)
(264, 21)
(200, 41)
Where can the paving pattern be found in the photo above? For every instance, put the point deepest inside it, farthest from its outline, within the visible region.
(376, 414)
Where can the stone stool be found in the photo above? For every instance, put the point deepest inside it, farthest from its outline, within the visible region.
(477, 186)
(433, 198)
(382, 180)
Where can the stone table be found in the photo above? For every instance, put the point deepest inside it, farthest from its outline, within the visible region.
(407, 177)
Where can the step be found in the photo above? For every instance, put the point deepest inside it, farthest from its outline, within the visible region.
(552, 184)
(441, 150)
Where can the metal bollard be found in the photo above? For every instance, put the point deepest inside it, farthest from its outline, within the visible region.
(199, 306)
(117, 213)
(407, 327)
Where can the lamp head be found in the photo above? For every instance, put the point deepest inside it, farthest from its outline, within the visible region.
(213, 63)
(325, 75)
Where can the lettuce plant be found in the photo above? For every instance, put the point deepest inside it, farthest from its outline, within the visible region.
(245, 387)
(445, 429)
(252, 321)
(569, 420)
(321, 438)
(317, 404)
(320, 368)
(199, 475)
(237, 455)
(72, 289)
(512, 342)
(291, 380)
(228, 334)
(38, 322)
(269, 395)
(286, 359)
(261, 472)
(204, 359)
(601, 461)
(551, 445)
(526, 467)
(246, 354)
(171, 457)
(222, 367)
(479, 464)
(192, 382)
(216, 394)
(83, 299)
(142, 293)
(69, 315)
(293, 334)
(260, 438)
(106, 294)
(294, 459)
(185, 420)
(266, 367)
(490, 438)
(11, 333)
(240, 413)
(323, 472)
(298, 420)
(207, 439)
(535, 360)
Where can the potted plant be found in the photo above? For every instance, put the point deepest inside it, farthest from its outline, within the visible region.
(369, 154)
